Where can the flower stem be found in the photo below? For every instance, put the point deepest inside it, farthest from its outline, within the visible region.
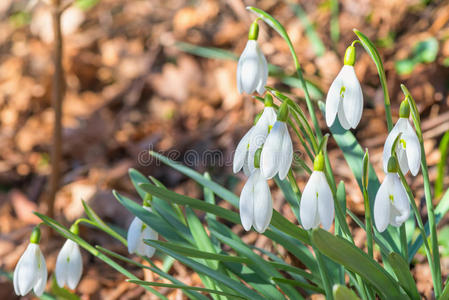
(432, 224)
(368, 224)
(422, 232)
(322, 269)
(403, 238)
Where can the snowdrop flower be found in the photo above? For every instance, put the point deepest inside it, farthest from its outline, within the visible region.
(345, 98)
(391, 204)
(317, 202)
(137, 232)
(241, 154)
(277, 152)
(256, 206)
(261, 130)
(408, 149)
(252, 69)
(31, 270)
(69, 264)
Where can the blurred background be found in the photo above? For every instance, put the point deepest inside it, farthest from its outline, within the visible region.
(160, 75)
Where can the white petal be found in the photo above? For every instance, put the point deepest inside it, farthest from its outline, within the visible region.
(286, 155)
(353, 96)
(382, 206)
(260, 133)
(75, 267)
(246, 169)
(149, 234)
(400, 201)
(246, 205)
(27, 269)
(61, 270)
(271, 151)
(342, 117)
(333, 100)
(413, 150)
(325, 202)
(402, 159)
(249, 67)
(134, 235)
(263, 205)
(41, 278)
(388, 144)
(241, 151)
(308, 207)
(263, 72)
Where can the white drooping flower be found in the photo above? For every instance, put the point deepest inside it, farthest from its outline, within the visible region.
(408, 148)
(252, 68)
(391, 204)
(317, 202)
(69, 265)
(260, 132)
(31, 270)
(256, 206)
(345, 97)
(137, 232)
(277, 151)
(241, 154)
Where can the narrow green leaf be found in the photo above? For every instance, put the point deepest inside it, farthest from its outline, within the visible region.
(154, 268)
(200, 268)
(297, 283)
(192, 252)
(341, 292)
(77, 239)
(154, 220)
(137, 178)
(372, 51)
(355, 260)
(184, 287)
(353, 154)
(402, 271)
(442, 164)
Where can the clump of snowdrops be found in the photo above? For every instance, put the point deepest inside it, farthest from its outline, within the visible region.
(322, 255)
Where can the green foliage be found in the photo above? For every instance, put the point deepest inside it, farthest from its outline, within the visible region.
(423, 52)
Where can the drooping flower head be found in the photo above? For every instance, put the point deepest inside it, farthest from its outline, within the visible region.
(391, 205)
(254, 138)
(277, 152)
(256, 206)
(69, 264)
(31, 270)
(345, 97)
(408, 149)
(137, 233)
(252, 69)
(317, 202)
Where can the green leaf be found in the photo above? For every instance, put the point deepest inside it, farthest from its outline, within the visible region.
(200, 268)
(353, 155)
(402, 271)
(298, 283)
(184, 287)
(77, 239)
(341, 292)
(137, 178)
(153, 220)
(355, 260)
(441, 210)
(372, 51)
(442, 164)
(277, 220)
(405, 66)
(192, 252)
(154, 268)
